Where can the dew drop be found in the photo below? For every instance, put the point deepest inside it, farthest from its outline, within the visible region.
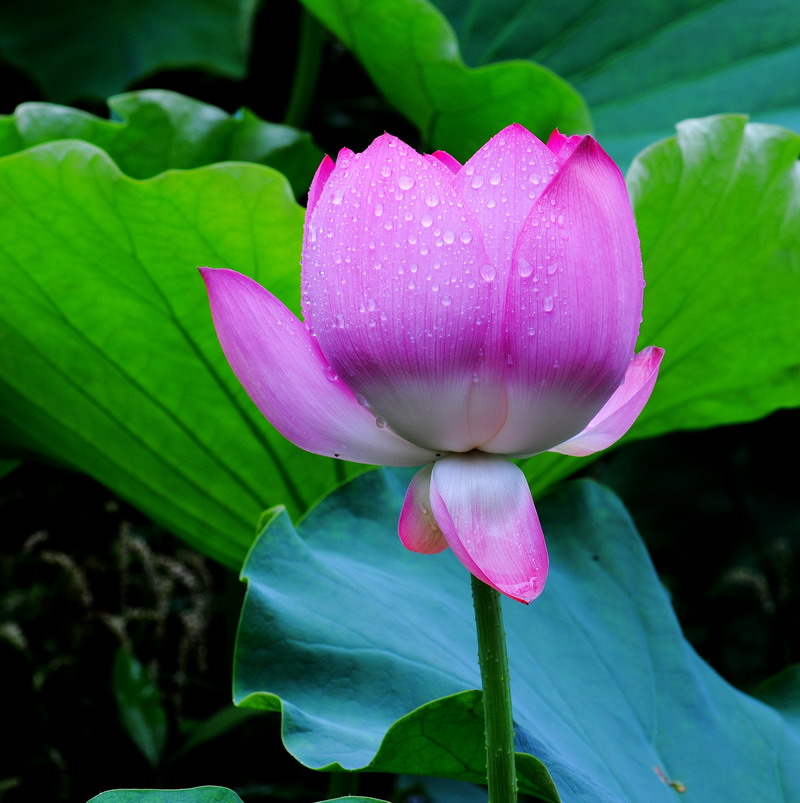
(477, 182)
(411, 285)
(488, 272)
(552, 268)
(492, 203)
(405, 182)
(380, 423)
(376, 265)
(533, 178)
(361, 400)
(494, 179)
(413, 267)
(386, 171)
(471, 283)
(446, 301)
(465, 237)
(547, 304)
(524, 268)
(330, 374)
(340, 321)
(448, 236)
(337, 197)
(434, 286)
(371, 304)
(412, 239)
(432, 199)
(378, 210)
(427, 221)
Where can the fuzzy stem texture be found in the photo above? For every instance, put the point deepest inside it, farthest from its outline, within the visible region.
(501, 771)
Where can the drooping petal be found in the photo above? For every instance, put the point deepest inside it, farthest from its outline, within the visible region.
(418, 529)
(484, 509)
(282, 369)
(573, 305)
(621, 410)
(318, 182)
(391, 287)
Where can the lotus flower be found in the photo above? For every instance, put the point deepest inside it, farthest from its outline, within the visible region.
(455, 317)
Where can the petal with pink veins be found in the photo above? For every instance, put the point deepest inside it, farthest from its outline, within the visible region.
(484, 509)
(573, 305)
(392, 289)
(418, 529)
(282, 369)
(618, 414)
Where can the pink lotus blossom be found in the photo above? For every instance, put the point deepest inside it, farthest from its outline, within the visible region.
(455, 317)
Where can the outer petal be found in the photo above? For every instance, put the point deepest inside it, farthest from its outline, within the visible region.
(418, 529)
(282, 369)
(621, 410)
(392, 288)
(483, 506)
(573, 306)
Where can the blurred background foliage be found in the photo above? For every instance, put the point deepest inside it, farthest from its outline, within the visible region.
(116, 637)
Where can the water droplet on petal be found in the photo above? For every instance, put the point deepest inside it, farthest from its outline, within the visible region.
(432, 199)
(488, 272)
(524, 268)
(380, 422)
(371, 304)
(340, 321)
(337, 197)
(477, 182)
(552, 268)
(378, 210)
(446, 301)
(547, 304)
(330, 374)
(448, 236)
(361, 400)
(427, 221)
(405, 182)
(465, 237)
(386, 171)
(494, 179)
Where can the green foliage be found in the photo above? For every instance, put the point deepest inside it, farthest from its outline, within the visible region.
(455, 107)
(154, 130)
(642, 66)
(93, 48)
(200, 794)
(605, 688)
(718, 211)
(139, 705)
(110, 361)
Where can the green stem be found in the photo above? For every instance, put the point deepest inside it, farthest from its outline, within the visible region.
(501, 772)
(309, 55)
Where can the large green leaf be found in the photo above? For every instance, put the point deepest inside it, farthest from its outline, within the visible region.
(718, 211)
(109, 358)
(155, 130)
(411, 54)
(607, 693)
(93, 48)
(199, 794)
(642, 66)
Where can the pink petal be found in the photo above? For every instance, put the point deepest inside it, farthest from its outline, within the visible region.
(392, 289)
(450, 162)
(282, 369)
(418, 529)
(483, 506)
(562, 146)
(621, 410)
(501, 183)
(573, 305)
(318, 182)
